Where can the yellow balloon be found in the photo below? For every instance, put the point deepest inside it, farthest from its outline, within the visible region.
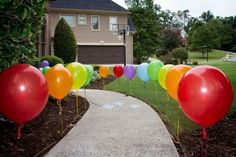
(79, 74)
(104, 71)
(59, 81)
(173, 78)
(162, 74)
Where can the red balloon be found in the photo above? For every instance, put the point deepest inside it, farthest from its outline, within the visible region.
(205, 95)
(24, 93)
(118, 71)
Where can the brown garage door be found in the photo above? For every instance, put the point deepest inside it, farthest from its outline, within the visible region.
(101, 54)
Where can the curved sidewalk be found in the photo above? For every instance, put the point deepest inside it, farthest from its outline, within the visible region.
(116, 126)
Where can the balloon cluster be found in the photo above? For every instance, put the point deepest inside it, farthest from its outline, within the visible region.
(44, 66)
(204, 93)
(26, 89)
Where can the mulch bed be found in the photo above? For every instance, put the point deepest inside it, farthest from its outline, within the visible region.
(42, 133)
(221, 140)
(98, 84)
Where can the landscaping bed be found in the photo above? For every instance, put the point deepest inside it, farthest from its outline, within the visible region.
(43, 132)
(221, 140)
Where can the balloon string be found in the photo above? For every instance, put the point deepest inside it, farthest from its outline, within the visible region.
(204, 133)
(103, 84)
(129, 87)
(203, 139)
(77, 104)
(178, 125)
(60, 113)
(20, 126)
(156, 92)
(118, 80)
(145, 84)
(167, 103)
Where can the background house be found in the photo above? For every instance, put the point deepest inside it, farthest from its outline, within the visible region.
(91, 22)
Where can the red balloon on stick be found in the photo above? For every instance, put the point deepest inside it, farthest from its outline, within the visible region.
(24, 93)
(205, 95)
(118, 71)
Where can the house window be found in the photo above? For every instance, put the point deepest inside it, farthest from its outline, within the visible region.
(95, 23)
(112, 21)
(82, 19)
(70, 19)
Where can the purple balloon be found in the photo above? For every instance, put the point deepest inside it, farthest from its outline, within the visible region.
(129, 72)
(44, 63)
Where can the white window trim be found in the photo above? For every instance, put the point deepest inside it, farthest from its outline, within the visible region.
(109, 22)
(98, 23)
(74, 25)
(79, 19)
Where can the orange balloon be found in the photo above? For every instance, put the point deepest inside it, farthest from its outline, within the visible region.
(173, 78)
(59, 81)
(103, 71)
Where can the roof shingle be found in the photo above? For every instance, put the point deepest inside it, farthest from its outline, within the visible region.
(101, 5)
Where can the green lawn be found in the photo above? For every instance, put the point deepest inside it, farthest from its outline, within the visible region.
(161, 102)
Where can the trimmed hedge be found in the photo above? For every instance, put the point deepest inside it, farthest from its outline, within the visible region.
(180, 54)
(21, 22)
(53, 60)
(64, 42)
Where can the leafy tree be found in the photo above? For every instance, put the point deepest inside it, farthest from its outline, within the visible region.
(64, 42)
(145, 21)
(228, 35)
(165, 18)
(207, 16)
(170, 39)
(204, 39)
(21, 22)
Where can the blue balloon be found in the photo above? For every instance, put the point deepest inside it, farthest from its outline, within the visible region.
(142, 72)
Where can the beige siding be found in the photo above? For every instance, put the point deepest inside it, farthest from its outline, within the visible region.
(85, 36)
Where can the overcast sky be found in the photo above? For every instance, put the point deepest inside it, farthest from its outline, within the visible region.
(196, 7)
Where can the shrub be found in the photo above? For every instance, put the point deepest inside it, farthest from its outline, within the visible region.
(175, 61)
(96, 67)
(166, 59)
(161, 52)
(64, 42)
(234, 48)
(21, 22)
(35, 62)
(180, 54)
(194, 62)
(53, 60)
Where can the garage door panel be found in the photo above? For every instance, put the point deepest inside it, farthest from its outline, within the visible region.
(101, 54)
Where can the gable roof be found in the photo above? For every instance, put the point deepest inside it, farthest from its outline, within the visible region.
(101, 5)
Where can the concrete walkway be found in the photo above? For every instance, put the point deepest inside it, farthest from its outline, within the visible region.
(116, 126)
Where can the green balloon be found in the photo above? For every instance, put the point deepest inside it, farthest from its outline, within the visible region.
(45, 70)
(162, 74)
(79, 74)
(153, 69)
(90, 72)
